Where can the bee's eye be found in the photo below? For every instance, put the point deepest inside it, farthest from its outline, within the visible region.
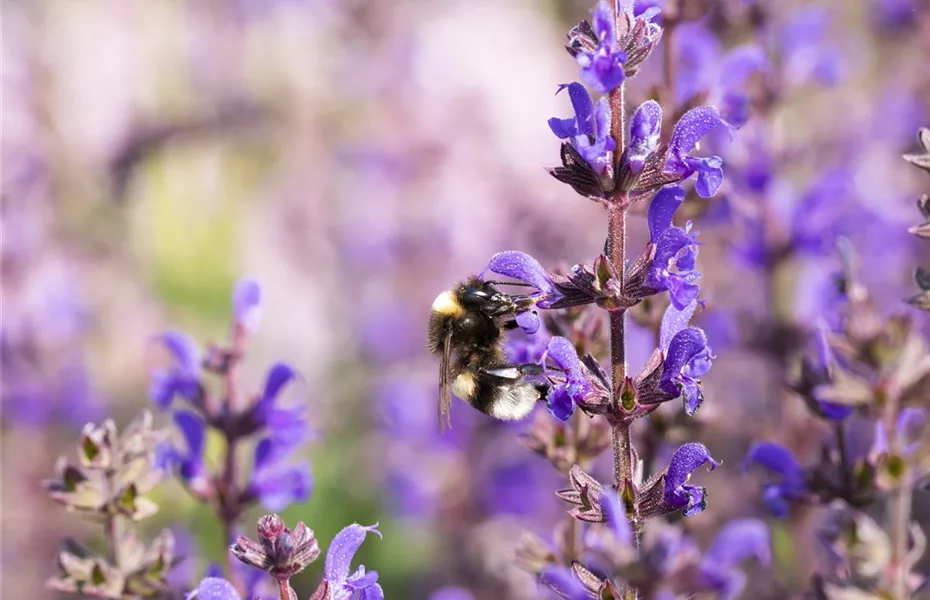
(476, 297)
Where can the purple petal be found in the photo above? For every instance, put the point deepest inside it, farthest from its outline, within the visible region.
(560, 402)
(686, 345)
(685, 461)
(563, 128)
(909, 425)
(193, 429)
(583, 107)
(691, 127)
(645, 128)
(183, 349)
(563, 581)
(774, 498)
(682, 292)
(776, 458)
(603, 21)
(662, 210)
(522, 267)
(247, 303)
(742, 63)
(265, 454)
(343, 549)
(737, 541)
(528, 321)
(373, 592)
(693, 396)
(673, 321)
(710, 174)
(214, 588)
(824, 352)
(452, 593)
(565, 356)
(602, 116)
(279, 488)
(278, 376)
(615, 517)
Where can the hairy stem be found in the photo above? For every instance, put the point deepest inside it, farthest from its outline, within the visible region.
(616, 253)
(900, 521)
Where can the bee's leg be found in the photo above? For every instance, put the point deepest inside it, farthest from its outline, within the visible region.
(512, 372)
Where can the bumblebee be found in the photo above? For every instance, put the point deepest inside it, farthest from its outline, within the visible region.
(466, 329)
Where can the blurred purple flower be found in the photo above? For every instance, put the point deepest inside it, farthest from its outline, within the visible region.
(602, 67)
(564, 395)
(589, 129)
(894, 14)
(697, 57)
(781, 461)
(673, 267)
(287, 425)
(214, 588)
(182, 377)
(679, 494)
(451, 593)
(806, 52)
(564, 582)
(247, 304)
(734, 543)
(908, 428)
(187, 460)
(737, 71)
(615, 518)
(691, 127)
(274, 482)
(360, 585)
(821, 370)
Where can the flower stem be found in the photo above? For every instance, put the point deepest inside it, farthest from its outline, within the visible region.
(616, 252)
(229, 502)
(111, 526)
(900, 520)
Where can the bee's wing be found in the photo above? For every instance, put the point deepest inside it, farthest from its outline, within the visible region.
(445, 383)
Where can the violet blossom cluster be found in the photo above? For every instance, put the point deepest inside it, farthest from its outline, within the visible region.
(617, 163)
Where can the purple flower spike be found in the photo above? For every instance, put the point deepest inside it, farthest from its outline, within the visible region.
(562, 581)
(737, 541)
(662, 210)
(564, 395)
(247, 304)
(781, 461)
(183, 377)
(645, 128)
(688, 358)
(615, 517)
(522, 267)
(691, 499)
(602, 68)
(344, 585)
(694, 125)
(214, 588)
